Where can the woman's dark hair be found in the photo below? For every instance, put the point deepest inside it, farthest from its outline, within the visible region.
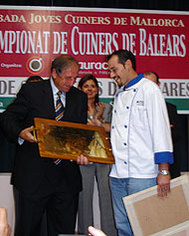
(86, 78)
(34, 78)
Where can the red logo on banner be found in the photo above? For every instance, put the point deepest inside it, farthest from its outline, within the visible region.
(35, 65)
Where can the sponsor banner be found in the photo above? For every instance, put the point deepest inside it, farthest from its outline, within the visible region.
(10, 86)
(176, 91)
(31, 37)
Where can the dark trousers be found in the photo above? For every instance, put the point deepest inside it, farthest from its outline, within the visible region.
(60, 208)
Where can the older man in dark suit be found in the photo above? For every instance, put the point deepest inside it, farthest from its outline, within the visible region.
(42, 183)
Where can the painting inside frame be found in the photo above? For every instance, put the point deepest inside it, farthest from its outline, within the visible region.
(67, 140)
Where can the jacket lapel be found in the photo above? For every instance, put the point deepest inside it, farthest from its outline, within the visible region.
(48, 100)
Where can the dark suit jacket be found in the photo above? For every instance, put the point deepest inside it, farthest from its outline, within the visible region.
(175, 131)
(31, 172)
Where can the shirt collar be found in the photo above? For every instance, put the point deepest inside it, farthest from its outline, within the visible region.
(54, 88)
(134, 81)
(131, 83)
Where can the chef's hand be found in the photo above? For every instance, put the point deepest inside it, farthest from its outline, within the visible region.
(163, 182)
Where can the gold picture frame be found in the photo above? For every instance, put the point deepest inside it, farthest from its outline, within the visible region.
(67, 140)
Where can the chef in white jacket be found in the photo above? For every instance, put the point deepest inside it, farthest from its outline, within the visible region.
(140, 136)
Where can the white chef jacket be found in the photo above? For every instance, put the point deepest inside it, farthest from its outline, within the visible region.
(140, 130)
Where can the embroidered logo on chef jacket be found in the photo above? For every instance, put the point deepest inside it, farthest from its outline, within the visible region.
(140, 103)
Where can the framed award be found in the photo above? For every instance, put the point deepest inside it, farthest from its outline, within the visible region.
(67, 140)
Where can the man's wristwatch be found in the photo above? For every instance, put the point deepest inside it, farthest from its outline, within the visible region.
(164, 172)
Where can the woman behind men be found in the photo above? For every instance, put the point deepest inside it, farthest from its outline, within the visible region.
(102, 111)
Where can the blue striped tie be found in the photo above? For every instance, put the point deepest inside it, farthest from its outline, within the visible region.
(59, 112)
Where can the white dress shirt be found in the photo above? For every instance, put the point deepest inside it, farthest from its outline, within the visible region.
(55, 96)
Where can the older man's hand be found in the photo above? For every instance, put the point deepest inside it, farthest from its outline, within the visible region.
(82, 160)
(27, 134)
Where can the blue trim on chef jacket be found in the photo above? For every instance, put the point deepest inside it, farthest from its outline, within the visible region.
(131, 83)
(163, 157)
(135, 80)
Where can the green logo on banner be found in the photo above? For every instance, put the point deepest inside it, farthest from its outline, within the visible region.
(4, 102)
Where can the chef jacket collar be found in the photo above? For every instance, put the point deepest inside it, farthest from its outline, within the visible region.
(134, 81)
